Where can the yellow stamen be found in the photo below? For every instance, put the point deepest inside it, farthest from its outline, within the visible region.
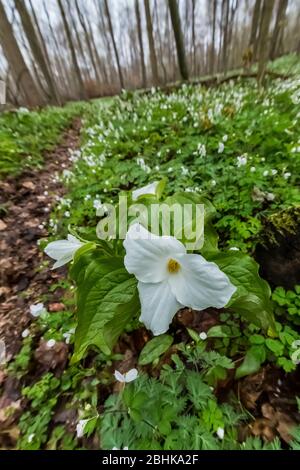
(173, 266)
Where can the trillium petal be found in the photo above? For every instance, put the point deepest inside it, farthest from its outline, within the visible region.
(131, 375)
(149, 189)
(63, 250)
(119, 377)
(147, 254)
(200, 284)
(158, 306)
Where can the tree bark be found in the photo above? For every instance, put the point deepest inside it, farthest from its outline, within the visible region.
(225, 37)
(111, 32)
(140, 38)
(87, 40)
(37, 50)
(213, 39)
(253, 42)
(81, 89)
(153, 58)
(277, 37)
(21, 75)
(175, 18)
(264, 40)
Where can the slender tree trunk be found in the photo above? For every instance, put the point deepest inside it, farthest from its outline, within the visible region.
(225, 37)
(37, 50)
(194, 36)
(111, 32)
(153, 58)
(253, 43)
(85, 70)
(81, 89)
(140, 38)
(21, 75)
(213, 39)
(87, 40)
(277, 38)
(178, 39)
(161, 58)
(264, 40)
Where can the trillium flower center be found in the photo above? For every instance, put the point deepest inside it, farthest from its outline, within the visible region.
(173, 266)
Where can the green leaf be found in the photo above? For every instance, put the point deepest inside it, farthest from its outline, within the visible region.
(252, 298)
(107, 300)
(154, 349)
(219, 331)
(275, 346)
(255, 356)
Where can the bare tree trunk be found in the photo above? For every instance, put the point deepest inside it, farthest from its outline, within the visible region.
(111, 32)
(277, 38)
(36, 50)
(60, 64)
(194, 36)
(253, 43)
(140, 37)
(85, 70)
(213, 39)
(264, 40)
(178, 39)
(21, 75)
(225, 37)
(153, 58)
(87, 40)
(81, 89)
(161, 58)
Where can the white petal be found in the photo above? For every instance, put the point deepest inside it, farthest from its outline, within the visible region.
(147, 254)
(200, 284)
(158, 306)
(131, 375)
(119, 377)
(62, 261)
(149, 189)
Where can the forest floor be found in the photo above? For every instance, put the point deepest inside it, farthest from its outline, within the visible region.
(127, 143)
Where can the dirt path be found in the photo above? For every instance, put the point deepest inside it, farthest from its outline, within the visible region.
(27, 202)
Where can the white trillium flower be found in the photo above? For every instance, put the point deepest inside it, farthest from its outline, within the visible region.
(203, 336)
(80, 427)
(37, 309)
(129, 376)
(170, 279)
(221, 147)
(287, 175)
(241, 160)
(220, 433)
(149, 189)
(63, 250)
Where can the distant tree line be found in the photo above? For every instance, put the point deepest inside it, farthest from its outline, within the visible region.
(52, 51)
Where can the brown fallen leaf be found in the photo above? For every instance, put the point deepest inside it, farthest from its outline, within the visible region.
(28, 185)
(3, 225)
(54, 357)
(56, 307)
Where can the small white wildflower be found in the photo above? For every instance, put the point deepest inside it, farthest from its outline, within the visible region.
(270, 196)
(252, 169)
(203, 336)
(51, 343)
(30, 438)
(274, 172)
(37, 309)
(25, 333)
(225, 138)
(221, 147)
(234, 248)
(220, 433)
(127, 377)
(265, 173)
(213, 182)
(80, 427)
(287, 175)
(241, 160)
